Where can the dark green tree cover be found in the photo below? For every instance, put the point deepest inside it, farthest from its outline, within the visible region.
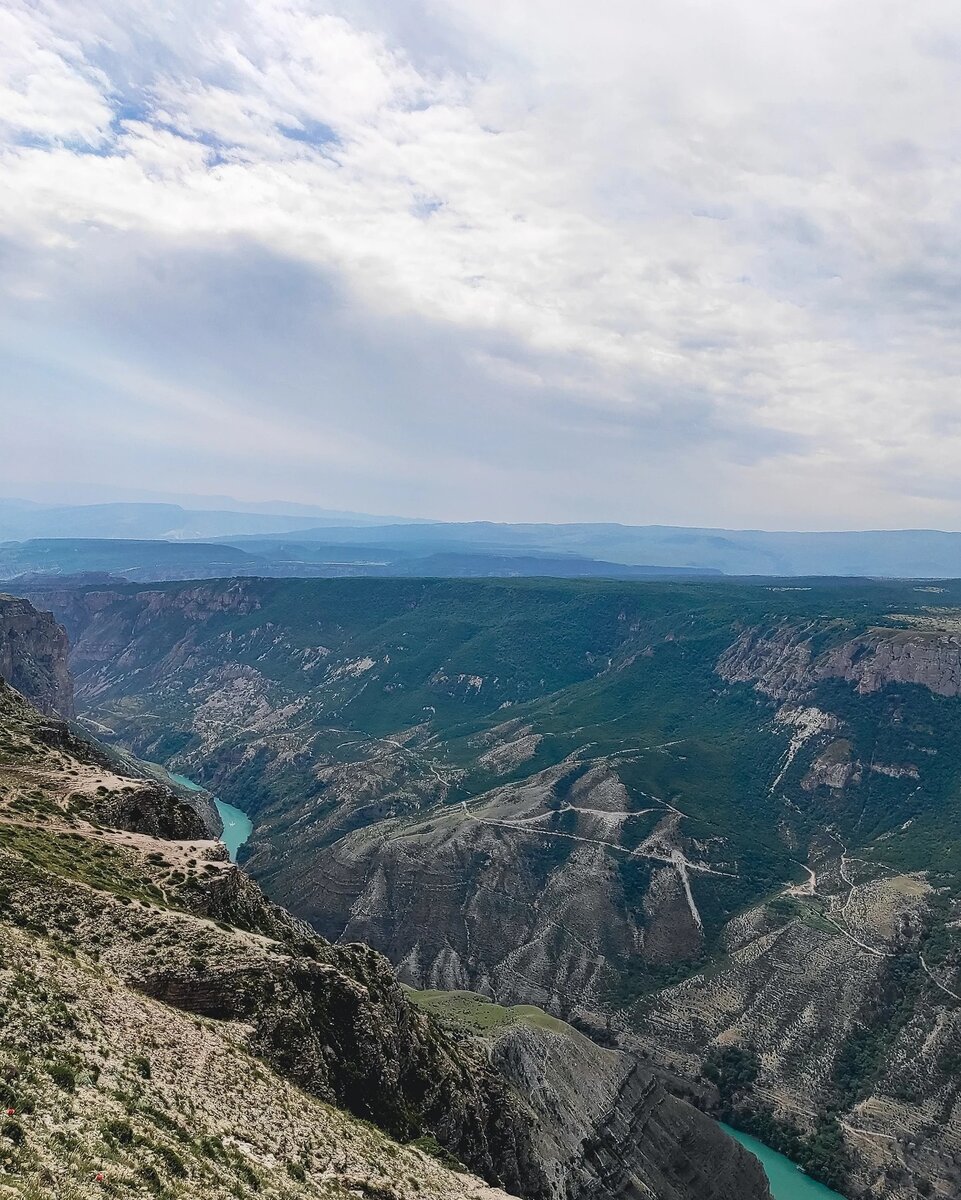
(734, 1070)
(886, 1009)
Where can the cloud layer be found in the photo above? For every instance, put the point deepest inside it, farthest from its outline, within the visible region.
(666, 261)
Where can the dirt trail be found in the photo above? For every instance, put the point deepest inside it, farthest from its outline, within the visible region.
(937, 982)
(680, 862)
(675, 859)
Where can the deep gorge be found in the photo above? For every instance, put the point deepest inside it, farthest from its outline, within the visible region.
(673, 821)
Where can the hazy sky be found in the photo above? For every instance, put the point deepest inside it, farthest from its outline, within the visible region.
(638, 260)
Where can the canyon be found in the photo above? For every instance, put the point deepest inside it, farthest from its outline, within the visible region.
(708, 824)
(152, 999)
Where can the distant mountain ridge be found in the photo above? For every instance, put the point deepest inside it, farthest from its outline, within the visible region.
(906, 553)
(73, 561)
(20, 521)
(299, 535)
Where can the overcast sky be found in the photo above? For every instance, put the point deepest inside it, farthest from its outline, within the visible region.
(685, 261)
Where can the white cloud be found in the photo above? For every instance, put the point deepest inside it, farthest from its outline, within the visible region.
(47, 89)
(730, 228)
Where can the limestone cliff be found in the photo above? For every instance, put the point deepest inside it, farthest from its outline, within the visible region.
(609, 1127)
(784, 661)
(33, 656)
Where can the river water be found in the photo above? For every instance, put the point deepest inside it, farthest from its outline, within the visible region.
(237, 825)
(787, 1182)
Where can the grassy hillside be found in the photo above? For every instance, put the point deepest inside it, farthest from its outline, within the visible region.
(479, 1014)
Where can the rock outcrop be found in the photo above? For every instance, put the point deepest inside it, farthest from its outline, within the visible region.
(589, 1105)
(784, 662)
(33, 656)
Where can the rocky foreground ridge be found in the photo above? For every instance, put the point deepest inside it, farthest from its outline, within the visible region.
(165, 1030)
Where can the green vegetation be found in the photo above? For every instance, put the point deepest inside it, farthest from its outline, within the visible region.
(599, 671)
(430, 1145)
(478, 1014)
(886, 1009)
(81, 858)
(734, 1070)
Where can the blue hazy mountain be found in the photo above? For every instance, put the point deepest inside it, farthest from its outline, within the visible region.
(307, 535)
(21, 520)
(907, 553)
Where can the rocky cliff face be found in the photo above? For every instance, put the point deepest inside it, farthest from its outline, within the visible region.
(784, 662)
(530, 894)
(33, 656)
(588, 1106)
(33, 660)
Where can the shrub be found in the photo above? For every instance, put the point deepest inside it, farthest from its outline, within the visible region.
(118, 1132)
(63, 1076)
(142, 1066)
(173, 1164)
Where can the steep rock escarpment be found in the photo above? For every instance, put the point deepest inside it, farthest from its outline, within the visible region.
(835, 986)
(334, 1021)
(514, 895)
(784, 661)
(33, 656)
(589, 1106)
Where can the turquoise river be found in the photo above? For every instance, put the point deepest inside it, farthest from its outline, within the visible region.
(237, 825)
(787, 1182)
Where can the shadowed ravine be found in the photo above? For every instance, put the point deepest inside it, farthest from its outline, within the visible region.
(237, 825)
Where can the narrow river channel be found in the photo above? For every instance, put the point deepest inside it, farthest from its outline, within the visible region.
(787, 1182)
(237, 825)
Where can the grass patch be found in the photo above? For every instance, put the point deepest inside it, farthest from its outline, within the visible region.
(478, 1014)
